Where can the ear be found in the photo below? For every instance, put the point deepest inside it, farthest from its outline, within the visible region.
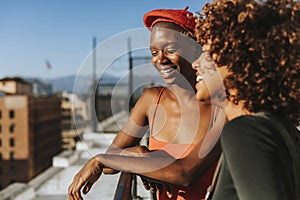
(197, 49)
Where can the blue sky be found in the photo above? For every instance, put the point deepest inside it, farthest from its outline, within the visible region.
(61, 31)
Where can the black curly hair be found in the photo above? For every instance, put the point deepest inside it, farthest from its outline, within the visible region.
(259, 42)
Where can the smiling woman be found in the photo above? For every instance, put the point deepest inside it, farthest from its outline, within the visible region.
(172, 53)
(178, 123)
(257, 43)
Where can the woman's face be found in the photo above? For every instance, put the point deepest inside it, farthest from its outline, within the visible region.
(209, 78)
(172, 55)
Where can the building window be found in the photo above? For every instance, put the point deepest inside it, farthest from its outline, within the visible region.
(0, 142)
(11, 114)
(12, 128)
(0, 156)
(12, 169)
(12, 142)
(0, 128)
(0, 114)
(12, 156)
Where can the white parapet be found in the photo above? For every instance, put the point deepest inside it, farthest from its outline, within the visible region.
(65, 159)
(18, 191)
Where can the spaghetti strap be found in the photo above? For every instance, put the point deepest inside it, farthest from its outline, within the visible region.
(159, 95)
(214, 116)
(156, 105)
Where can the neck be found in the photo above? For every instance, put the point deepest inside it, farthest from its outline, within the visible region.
(233, 111)
(181, 91)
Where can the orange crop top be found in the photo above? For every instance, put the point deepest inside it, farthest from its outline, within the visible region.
(198, 189)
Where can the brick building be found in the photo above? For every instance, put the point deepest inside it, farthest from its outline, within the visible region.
(30, 135)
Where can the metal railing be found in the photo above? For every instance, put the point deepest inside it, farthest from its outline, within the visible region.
(127, 188)
(124, 187)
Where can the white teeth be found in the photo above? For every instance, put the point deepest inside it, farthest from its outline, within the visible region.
(199, 78)
(167, 71)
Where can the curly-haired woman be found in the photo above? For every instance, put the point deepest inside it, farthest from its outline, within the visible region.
(258, 44)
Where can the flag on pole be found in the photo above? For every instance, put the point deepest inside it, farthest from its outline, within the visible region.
(48, 65)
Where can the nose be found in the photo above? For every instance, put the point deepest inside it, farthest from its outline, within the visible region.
(161, 57)
(196, 64)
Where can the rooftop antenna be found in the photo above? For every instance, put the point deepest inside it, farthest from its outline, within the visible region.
(94, 102)
(130, 74)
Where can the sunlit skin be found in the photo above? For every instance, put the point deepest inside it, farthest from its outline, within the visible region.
(172, 55)
(178, 105)
(209, 84)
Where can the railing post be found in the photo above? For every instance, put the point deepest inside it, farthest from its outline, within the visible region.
(123, 190)
(134, 189)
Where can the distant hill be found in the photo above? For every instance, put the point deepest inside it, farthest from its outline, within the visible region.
(82, 83)
(62, 83)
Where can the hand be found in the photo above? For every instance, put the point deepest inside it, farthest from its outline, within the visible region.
(136, 151)
(110, 171)
(157, 188)
(131, 151)
(85, 178)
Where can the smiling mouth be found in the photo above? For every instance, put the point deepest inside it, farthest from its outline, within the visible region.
(199, 78)
(167, 71)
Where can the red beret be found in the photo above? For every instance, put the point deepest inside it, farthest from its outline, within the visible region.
(183, 18)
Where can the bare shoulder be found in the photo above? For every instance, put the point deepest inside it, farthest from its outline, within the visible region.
(151, 94)
(147, 99)
(153, 91)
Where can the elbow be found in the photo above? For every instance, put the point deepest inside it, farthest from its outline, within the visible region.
(186, 179)
(188, 174)
(183, 177)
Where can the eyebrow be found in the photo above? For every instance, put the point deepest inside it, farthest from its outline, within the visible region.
(171, 43)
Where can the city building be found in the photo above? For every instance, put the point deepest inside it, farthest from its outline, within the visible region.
(15, 85)
(39, 87)
(30, 133)
(74, 119)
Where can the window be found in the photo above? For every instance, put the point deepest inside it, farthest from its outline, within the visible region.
(12, 142)
(11, 114)
(12, 156)
(0, 114)
(0, 128)
(0, 156)
(0, 142)
(12, 169)
(12, 128)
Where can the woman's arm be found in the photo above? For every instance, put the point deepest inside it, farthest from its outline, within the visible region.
(157, 165)
(160, 166)
(135, 128)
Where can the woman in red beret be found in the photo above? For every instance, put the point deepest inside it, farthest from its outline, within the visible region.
(178, 122)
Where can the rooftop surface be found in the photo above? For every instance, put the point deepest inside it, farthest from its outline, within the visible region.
(53, 183)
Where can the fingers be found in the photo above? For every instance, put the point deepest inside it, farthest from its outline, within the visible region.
(110, 171)
(90, 183)
(84, 179)
(169, 191)
(156, 188)
(159, 188)
(74, 189)
(152, 187)
(146, 183)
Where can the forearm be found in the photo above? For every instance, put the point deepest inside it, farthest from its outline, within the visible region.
(158, 168)
(131, 151)
(161, 166)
